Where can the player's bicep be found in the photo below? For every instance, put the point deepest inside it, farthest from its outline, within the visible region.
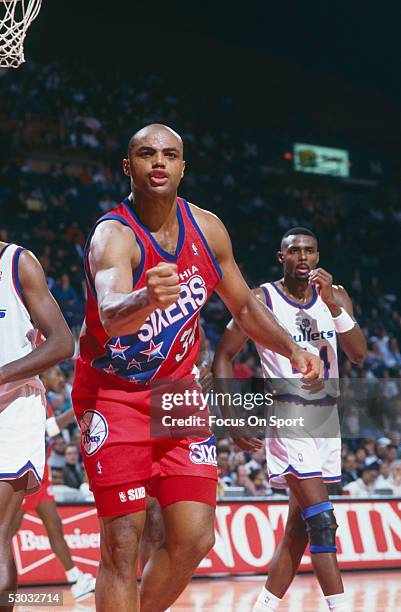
(232, 287)
(41, 305)
(113, 253)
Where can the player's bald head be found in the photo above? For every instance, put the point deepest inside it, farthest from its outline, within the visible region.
(156, 132)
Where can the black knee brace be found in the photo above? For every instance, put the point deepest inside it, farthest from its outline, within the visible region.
(321, 527)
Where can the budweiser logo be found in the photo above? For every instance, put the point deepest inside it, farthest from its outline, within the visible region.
(76, 540)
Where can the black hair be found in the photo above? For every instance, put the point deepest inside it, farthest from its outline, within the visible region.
(295, 231)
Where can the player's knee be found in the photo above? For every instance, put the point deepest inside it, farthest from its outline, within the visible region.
(197, 546)
(321, 527)
(120, 548)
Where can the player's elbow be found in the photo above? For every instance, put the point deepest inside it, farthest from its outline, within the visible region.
(358, 358)
(68, 346)
(222, 362)
(109, 320)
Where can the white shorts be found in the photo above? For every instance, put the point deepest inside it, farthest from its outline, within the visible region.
(316, 452)
(22, 437)
(303, 458)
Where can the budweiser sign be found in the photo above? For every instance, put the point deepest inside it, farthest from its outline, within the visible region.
(369, 536)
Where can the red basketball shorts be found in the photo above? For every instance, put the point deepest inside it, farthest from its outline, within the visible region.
(45, 493)
(124, 463)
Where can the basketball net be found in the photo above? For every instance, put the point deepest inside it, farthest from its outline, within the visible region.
(15, 18)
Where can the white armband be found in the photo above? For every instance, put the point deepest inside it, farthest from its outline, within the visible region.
(52, 429)
(344, 322)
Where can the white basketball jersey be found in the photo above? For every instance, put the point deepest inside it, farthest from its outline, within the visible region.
(17, 333)
(311, 326)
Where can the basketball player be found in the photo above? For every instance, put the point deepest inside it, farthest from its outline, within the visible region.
(26, 306)
(151, 264)
(43, 502)
(315, 312)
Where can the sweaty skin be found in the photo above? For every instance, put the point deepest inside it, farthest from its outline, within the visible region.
(155, 166)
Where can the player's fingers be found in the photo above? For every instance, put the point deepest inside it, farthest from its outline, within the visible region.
(167, 281)
(167, 290)
(165, 269)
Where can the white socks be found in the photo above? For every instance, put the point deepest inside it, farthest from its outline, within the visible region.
(266, 601)
(72, 574)
(338, 603)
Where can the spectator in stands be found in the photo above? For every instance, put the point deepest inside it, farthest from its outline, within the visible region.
(72, 471)
(394, 478)
(350, 472)
(224, 468)
(365, 485)
(57, 476)
(57, 455)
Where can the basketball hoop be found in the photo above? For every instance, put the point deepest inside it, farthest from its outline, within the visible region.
(15, 18)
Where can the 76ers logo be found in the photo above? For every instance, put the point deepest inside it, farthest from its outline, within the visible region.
(204, 452)
(94, 431)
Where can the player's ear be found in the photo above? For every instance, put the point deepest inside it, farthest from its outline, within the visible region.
(280, 257)
(318, 257)
(126, 168)
(183, 168)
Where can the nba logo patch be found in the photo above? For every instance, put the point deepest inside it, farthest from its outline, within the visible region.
(194, 249)
(94, 431)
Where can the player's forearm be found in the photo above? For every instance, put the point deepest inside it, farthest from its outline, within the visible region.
(353, 343)
(257, 322)
(65, 418)
(125, 313)
(56, 348)
(222, 365)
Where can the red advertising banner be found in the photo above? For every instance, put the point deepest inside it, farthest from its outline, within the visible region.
(369, 536)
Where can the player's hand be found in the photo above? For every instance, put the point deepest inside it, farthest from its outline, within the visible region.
(324, 283)
(310, 366)
(205, 379)
(163, 285)
(313, 385)
(249, 444)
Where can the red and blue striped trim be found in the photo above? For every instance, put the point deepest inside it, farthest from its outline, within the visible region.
(201, 235)
(294, 472)
(139, 269)
(15, 274)
(267, 296)
(21, 472)
(295, 304)
(181, 232)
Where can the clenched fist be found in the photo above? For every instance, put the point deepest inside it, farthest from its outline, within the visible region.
(163, 285)
(311, 366)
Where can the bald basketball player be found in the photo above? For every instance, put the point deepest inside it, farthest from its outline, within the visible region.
(151, 264)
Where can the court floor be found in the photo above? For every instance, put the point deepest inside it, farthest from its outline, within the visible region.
(369, 592)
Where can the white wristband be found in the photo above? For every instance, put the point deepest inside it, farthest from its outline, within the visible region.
(344, 322)
(52, 429)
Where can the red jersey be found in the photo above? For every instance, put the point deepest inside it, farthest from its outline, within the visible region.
(167, 344)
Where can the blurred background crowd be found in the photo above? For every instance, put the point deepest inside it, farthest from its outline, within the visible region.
(63, 134)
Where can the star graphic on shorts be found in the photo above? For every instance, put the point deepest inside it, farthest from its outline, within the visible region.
(117, 350)
(134, 363)
(110, 369)
(153, 352)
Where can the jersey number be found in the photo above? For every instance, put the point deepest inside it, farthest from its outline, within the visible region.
(187, 339)
(323, 354)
